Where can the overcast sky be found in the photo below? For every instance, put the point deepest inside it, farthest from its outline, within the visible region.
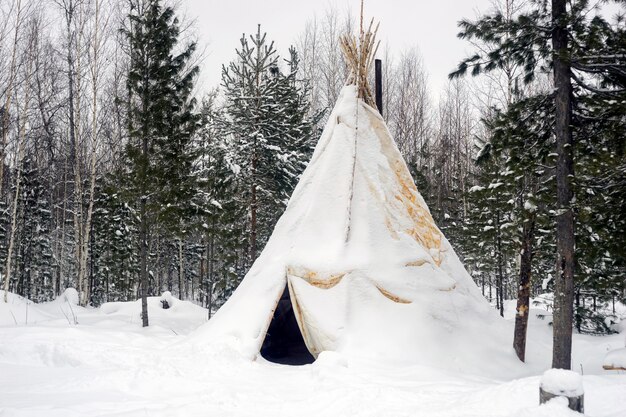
(428, 24)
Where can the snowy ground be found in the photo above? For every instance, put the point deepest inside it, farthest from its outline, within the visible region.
(58, 359)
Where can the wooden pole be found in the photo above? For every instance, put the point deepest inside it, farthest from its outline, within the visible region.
(379, 85)
(359, 52)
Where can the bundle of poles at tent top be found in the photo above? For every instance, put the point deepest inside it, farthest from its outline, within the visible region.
(359, 53)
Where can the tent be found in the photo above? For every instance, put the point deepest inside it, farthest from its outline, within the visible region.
(356, 264)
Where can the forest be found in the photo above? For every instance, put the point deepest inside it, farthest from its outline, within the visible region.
(118, 177)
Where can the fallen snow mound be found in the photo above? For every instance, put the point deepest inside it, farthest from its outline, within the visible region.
(18, 311)
(562, 382)
(615, 359)
(70, 295)
(181, 318)
(556, 407)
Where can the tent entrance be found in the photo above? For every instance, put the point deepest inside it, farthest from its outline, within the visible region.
(283, 342)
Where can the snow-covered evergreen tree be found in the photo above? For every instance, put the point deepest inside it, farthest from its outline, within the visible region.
(114, 251)
(269, 129)
(34, 262)
(161, 124)
(222, 224)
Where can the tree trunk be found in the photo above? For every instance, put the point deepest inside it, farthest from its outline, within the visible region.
(181, 281)
(253, 198)
(482, 283)
(253, 219)
(210, 268)
(500, 289)
(143, 234)
(613, 300)
(203, 279)
(523, 291)
(578, 322)
(564, 283)
(6, 113)
(73, 80)
(85, 225)
(143, 231)
(19, 161)
(63, 222)
(143, 182)
(16, 199)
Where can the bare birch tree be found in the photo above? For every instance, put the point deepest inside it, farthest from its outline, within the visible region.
(321, 59)
(22, 107)
(410, 110)
(95, 54)
(20, 11)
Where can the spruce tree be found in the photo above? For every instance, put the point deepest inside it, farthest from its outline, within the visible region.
(33, 262)
(270, 131)
(161, 124)
(491, 203)
(114, 251)
(222, 224)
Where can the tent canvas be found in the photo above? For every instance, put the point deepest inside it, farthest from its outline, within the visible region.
(367, 272)
(367, 269)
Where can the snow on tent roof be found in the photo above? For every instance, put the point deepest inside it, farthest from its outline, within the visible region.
(368, 272)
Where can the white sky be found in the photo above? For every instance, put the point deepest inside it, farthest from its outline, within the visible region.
(428, 24)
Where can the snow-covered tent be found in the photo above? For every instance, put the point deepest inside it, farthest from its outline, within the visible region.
(357, 265)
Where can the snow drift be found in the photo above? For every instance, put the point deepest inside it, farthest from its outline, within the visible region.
(182, 317)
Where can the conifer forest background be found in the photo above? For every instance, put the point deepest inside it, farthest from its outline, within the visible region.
(118, 175)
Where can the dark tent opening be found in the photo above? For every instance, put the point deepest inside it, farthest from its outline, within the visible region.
(283, 342)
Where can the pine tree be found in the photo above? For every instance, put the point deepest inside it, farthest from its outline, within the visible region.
(267, 122)
(5, 222)
(161, 124)
(523, 133)
(601, 168)
(565, 41)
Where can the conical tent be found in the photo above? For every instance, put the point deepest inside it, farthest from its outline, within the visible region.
(357, 265)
